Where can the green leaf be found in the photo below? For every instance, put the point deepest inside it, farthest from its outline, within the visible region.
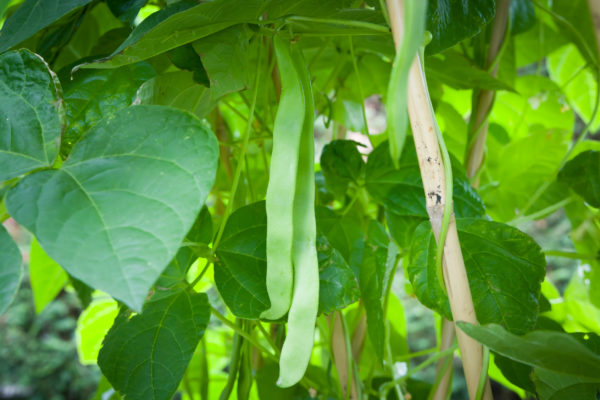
(505, 268)
(145, 356)
(578, 82)
(47, 278)
(555, 351)
(125, 10)
(177, 25)
(33, 16)
(305, 8)
(266, 377)
(578, 26)
(195, 244)
(522, 16)
(137, 180)
(344, 233)
(537, 43)
(538, 102)
(401, 191)
(95, 94)
(240, 272)
(582, 174)
(513, 175)
(92, 326)
(451, 21)
(11, 269)
(371, 281)
(455, 70)
(225, 56)
(341, 164)
(550, 385)
(337, 283)
(185, 57)
(179, 90)
(30, 114)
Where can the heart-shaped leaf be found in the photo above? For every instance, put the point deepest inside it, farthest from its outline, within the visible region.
(30, 114)
(240, 272)
(10, 269)
(505, 268)
(145, 356)
(555, 351)
(117, 210)
(32, 16)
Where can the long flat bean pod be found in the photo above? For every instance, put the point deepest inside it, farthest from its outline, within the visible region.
(287, 130)
(298, 344)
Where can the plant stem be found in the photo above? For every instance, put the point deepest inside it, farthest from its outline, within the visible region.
(571, 254)
(443, 369)
(478, 125)
(360, 89)
(235, 362)
(239, 165)
(385, 388)
(483, 375)
(243, 334)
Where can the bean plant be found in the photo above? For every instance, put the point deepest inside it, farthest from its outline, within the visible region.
(249, 195)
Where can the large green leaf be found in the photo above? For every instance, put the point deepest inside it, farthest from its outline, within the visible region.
(343, 232)
(582, 174)
(33, 16)
(178, 25)
(30, 114)
(341, 164)
(95, 94)
(451, 21)
(240, 272)
(92, 326)
(522, 16)
(577, 24)
(179, 90)
(337, 283)
(550, 385)
(225, 56)
(145, 356)
(11, 269)
(566, 68)
(47, 278)
(555, 351)
(306, 8)
(125, 198)
(457, 71)
(371, 280)
(505, 268)
(195, 244)
(401, 191)
(513, 174)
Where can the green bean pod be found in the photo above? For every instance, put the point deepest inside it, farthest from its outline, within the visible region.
(282, 183)
(298, 344)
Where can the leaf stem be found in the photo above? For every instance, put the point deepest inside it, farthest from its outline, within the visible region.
(360, 88)
(385, 388)
(243, 334)
(240, 164)
(483, 375)
(342, 22)
(542, 213)
(572, 255)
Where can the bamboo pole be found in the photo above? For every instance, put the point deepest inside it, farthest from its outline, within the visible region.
(424, 128)
(475, 158)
